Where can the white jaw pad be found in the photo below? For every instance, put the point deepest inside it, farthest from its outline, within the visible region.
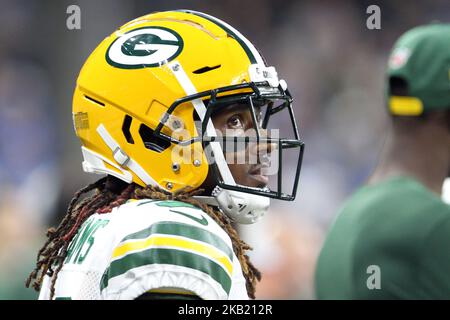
(242, 207)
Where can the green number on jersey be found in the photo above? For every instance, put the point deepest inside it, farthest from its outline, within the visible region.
(82, 243)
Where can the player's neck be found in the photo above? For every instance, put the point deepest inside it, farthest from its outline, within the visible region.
(424, 159)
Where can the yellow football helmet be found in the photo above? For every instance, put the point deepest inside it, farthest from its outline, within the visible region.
(139, 94)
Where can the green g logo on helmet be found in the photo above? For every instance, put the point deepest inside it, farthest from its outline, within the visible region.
(144, 47)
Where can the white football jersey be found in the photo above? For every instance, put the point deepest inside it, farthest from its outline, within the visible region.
(149, 245)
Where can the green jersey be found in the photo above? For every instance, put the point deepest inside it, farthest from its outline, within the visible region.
(390, 241)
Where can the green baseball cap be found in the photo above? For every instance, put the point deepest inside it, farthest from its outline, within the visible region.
(421, 57)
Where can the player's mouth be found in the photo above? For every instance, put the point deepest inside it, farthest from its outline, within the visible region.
(256, 173)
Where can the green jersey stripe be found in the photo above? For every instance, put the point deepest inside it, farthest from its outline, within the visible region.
(167, 256)
(184, 230)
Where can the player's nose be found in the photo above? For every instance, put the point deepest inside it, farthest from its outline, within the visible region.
(263, 147)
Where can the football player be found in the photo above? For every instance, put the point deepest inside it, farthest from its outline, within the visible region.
(177, 109)
(390, 240)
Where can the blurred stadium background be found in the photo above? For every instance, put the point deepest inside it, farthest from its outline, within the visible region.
(334, 67)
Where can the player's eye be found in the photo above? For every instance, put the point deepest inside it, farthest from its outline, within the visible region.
(235, 122)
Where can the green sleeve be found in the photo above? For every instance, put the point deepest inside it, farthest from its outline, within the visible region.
(434, 274)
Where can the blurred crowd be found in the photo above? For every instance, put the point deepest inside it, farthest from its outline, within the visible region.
(334, 67)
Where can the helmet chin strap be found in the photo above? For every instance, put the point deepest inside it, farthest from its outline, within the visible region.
(240, 207)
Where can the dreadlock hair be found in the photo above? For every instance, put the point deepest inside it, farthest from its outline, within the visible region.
(110, 192)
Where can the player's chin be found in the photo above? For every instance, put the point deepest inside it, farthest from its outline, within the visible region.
(258, 180)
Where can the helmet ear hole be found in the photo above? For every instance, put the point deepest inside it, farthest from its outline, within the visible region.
(126, 129)
(151, 141)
